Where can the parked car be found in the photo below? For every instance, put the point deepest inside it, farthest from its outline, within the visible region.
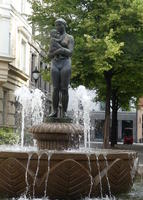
(128, 136)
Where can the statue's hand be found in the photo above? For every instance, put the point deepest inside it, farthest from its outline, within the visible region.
(63, 51)
(59, 51)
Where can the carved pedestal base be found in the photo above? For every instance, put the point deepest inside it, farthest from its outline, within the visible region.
(57, 136)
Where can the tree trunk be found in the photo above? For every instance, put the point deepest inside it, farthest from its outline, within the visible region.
(108, 77)
(114, 129)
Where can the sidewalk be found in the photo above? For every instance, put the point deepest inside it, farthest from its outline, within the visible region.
(138, 147)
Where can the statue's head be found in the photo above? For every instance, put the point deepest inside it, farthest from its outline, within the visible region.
(60, 25)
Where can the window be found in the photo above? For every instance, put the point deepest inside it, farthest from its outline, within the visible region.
(142, 126)
(4, 107)
(4, 2)
(50, 109)
(99, 125)
(4, 36)
(32, 65)
(126, 124)
(23, 56)
(45, 85)
(102, 106)
(40, 78)
(33, 29)
(9, 43)
(23, 6)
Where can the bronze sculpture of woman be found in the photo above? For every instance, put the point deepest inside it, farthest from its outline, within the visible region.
(60, 66)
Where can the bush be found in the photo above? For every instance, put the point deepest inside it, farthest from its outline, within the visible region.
(8, 136)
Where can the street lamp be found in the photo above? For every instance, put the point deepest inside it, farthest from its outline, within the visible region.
(35, 75)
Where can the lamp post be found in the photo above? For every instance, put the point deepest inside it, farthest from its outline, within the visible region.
(35, 75)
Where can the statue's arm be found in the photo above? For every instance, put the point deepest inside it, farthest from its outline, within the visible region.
(51, 54)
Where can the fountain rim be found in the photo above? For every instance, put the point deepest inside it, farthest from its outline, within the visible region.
(60, 155)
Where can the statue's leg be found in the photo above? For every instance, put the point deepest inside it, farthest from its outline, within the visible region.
(55, 74)
(65, 81)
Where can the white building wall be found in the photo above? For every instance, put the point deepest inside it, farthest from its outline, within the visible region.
(14, 31)
(21, 6)
(21, 33)
(5, 2)
(16, 47)
(4, 29)
(4, 36)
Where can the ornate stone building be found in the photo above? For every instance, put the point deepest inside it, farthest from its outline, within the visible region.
(19, 54)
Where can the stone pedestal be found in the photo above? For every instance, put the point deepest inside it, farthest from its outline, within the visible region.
(57, 135)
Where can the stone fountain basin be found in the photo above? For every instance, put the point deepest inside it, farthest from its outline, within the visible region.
(66, 175)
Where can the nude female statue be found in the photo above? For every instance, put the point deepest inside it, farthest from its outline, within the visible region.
(61, 67)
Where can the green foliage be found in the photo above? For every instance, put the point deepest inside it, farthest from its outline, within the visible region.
(7, 136)
(108, 37)
(45, 73)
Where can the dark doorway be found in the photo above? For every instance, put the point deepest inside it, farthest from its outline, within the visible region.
(126, 124)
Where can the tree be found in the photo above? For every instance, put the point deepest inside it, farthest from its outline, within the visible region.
(107, 34)
(125, 47)
(129, 87)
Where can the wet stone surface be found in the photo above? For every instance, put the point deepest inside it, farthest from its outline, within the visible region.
(136, 193)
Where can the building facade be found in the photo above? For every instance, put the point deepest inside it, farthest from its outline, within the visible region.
(19, 55)
(126, 119)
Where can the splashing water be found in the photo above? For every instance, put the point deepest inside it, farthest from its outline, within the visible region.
(48, 172)
(81, 103)
(26, 174)
(32, 106)
(91, 178)
(136, 193)
(37, 106)
(36, 174)
(98, 166)
(106, 162)
(105, 198)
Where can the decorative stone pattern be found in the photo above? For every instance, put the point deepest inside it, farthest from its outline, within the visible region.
(12, 181)
(57, 136)
(65, 175)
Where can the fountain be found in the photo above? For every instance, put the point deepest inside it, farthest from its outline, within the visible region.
(65, 174)
(32, 107)
(59, 168)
